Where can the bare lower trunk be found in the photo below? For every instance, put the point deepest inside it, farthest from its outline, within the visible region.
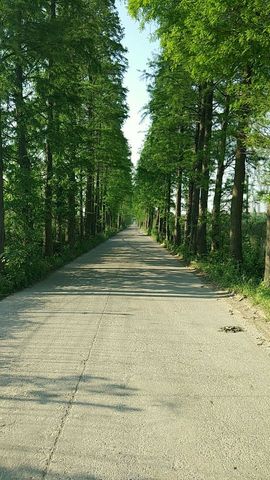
(72, 208)
(98, 205)
(25, 181)
(267, 250)
(168, 209)
(49, 162)
(216, 227)
(188, 215)
(90, 224)
(157, 224)
(237, 199)
(161, 226)
(150, 220)
(104, 204)
(60, 206)
(202, 231)
(81, 205)
(48, 201)
(200, 138)
(2, 207)
(239, 176)
(178, 209)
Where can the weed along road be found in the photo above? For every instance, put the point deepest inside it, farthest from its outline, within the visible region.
(118, 367)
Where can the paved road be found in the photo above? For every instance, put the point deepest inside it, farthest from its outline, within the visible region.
(114, 368)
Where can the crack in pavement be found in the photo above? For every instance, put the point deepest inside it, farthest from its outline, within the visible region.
(73, 395)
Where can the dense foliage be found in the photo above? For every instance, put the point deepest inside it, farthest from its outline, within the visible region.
(197, 178)
(65, 169)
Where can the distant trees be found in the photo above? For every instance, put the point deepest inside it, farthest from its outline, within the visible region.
(209, 100)
(63, 156)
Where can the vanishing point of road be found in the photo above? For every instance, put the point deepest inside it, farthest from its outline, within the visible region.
(115, 368)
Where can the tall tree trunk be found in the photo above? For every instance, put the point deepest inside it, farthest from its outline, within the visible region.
(157, 226)
(150, 221)
(104, 202)
(178, 209)
(25, 180)
(60, 204)
(161, 226)
(98, 202)
(200, 139)
(2, 206)
(23, 158)
(48, 190)
(216, 227)
(237, 198)
(191, 189)
(247, 186)
(109, 219)
(25, 210)
(49, 160)
(71, 207)
(239, 176)
(119, 221)
(168, 208)
(90, 224)
(189, 214)
(81, 205)
(267, 250)
(202, 231)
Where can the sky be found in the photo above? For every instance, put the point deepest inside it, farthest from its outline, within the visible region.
(140, 51)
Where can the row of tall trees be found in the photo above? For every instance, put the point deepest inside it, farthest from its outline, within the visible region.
(209, 113)
(65, 169)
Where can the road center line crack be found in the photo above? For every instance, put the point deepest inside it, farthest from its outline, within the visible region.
(73, 395)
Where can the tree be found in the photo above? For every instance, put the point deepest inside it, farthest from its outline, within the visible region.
(267, 250)
(226, 45)
(62, 108)
(2, 206)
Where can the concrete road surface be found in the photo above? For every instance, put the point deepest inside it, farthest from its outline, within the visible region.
(115, 368)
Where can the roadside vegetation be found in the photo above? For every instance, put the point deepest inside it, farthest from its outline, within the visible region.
(202, 182)
(65, 168)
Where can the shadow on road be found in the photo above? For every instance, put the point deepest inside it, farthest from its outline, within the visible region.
(29, 473)
(128, 266)
(45, 389)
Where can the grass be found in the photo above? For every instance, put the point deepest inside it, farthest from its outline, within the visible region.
(224, 273)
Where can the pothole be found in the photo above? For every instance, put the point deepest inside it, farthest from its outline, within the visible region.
(232, 329)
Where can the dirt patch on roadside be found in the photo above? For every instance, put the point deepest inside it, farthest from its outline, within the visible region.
(252, 314)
